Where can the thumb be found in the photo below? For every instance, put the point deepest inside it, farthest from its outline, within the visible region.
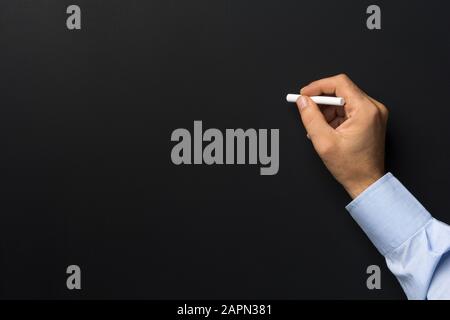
(313, 119)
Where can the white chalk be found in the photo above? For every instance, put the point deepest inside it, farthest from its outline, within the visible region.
(329, 101)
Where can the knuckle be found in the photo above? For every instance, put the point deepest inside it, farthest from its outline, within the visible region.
(326, 148)
(384, 110)
(343, 77)
(374, 113)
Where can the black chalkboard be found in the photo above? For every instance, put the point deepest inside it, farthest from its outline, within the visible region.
(86, 118)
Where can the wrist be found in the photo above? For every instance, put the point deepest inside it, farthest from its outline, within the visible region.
(355, 188)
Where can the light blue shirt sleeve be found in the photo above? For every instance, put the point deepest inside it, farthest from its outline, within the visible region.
(415, 245)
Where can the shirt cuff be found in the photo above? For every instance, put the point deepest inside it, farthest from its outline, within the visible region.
(388, 213)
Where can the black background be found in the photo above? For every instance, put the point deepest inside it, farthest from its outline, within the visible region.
(85, 124)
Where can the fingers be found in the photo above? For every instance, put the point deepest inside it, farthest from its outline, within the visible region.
(329, 112)
(384, 111)
(339, 85)
(334, 115)
(313, 119)
(336, 122)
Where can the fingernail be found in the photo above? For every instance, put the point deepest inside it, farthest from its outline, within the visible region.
(303, 102)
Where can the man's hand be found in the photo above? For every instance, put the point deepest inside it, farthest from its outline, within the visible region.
(349, 139)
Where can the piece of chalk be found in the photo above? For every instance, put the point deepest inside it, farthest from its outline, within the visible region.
(329, 101)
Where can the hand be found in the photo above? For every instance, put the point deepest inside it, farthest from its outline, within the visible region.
(350, 139)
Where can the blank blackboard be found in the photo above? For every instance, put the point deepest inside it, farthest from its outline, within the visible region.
(85, 123)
